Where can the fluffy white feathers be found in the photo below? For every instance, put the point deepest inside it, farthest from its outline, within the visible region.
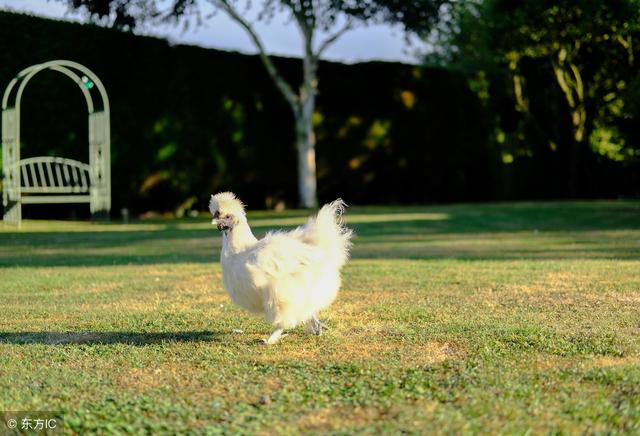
(227, 202)
(287, 276)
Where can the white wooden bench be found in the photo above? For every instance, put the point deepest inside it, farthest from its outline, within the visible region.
(52, 177)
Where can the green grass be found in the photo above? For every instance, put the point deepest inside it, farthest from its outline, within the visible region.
(508, 318)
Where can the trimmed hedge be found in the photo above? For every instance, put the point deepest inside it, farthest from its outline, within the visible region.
(188, 121)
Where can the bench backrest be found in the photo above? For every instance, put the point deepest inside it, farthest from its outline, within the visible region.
(54, 175)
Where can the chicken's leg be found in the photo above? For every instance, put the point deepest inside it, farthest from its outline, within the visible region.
(315, 326)
(275, 337)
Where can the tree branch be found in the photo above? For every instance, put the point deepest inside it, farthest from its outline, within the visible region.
(286, 90)
(333, 38)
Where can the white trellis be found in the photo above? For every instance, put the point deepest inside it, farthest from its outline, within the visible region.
(47, 179)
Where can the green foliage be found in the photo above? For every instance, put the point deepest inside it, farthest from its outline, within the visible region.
(556, 75)
(505, 318)
(124, 14)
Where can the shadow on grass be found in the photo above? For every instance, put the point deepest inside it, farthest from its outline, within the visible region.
(103, 338)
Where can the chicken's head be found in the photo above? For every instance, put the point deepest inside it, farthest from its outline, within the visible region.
(227, 210)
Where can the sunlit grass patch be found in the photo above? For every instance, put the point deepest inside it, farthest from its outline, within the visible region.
(508, 318)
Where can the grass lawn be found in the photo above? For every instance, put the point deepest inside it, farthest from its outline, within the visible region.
(506, 318)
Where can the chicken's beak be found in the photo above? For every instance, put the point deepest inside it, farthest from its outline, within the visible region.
(221, 224)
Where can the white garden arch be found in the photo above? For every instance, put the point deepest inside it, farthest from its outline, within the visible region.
(47, 179)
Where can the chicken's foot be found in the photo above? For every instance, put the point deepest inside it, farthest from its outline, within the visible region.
(275, 337)
(315, 326)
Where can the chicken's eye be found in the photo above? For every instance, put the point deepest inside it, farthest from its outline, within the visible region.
(227, 216)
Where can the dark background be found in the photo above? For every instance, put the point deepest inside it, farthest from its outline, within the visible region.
(187, 122)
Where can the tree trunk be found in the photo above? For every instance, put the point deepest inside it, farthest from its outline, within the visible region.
(304, 104)
(305, 136)
(575, 162)
(305, 144)
(569, 79)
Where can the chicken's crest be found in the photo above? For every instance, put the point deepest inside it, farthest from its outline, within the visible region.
(226, 203)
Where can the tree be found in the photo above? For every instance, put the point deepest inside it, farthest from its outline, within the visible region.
(585, 48)
(320, 23)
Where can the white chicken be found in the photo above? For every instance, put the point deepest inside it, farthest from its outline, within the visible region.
(287, 276)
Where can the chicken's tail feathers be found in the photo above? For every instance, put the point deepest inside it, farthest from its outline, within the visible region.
(327, 230)
(337, 207)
